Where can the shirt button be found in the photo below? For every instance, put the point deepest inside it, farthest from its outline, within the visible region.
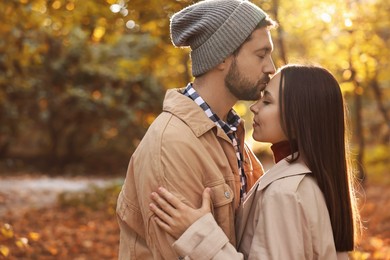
(227, 194)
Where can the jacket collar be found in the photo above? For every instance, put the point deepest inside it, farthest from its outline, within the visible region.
(281, 170)
(191, 114)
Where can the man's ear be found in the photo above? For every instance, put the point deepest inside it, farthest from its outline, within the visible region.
(225, 64)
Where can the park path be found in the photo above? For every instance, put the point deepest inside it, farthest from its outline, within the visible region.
(20, 193)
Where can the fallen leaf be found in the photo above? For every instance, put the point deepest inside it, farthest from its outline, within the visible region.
(34, 236)
(4, 250)
(7, 230)
(22, 242)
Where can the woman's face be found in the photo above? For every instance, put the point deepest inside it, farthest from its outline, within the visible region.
(266, 121)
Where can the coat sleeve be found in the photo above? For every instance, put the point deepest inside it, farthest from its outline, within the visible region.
(205, 240)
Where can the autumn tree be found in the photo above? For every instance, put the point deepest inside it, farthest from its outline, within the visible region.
(78, 79)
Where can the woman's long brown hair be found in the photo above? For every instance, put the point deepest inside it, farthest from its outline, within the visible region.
(313, 116)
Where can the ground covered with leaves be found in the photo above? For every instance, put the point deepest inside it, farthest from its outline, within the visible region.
(82, 225)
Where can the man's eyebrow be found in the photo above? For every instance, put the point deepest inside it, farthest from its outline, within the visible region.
(265, 49)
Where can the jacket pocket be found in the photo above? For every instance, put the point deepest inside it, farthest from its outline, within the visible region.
(221, 195)
(223, 209)
(130, 215)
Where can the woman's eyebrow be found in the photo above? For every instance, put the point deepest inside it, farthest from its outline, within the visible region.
(267, 93)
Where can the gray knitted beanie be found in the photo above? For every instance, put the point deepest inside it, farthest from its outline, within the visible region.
(214, 29)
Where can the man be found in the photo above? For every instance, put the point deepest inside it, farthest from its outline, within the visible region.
(198, 140)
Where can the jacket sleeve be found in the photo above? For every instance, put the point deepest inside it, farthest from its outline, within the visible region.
(205, 240)
(179, 164)
(169, 171)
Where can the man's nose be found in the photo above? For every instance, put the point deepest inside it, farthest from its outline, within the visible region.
(270, 67)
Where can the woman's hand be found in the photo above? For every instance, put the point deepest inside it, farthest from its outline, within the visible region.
(174, 216)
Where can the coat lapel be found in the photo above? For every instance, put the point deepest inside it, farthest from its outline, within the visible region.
(280, 170)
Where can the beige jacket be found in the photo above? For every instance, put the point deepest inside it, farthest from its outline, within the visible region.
(184, 151)
(283, 217)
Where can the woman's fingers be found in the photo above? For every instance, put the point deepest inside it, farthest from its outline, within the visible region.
(163, 225)
(163, 204)
(161, 214)
(172, 199)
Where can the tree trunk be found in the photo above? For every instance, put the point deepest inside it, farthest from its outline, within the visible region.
(280, 37)
(382, 109)
(359, 124)
(359, 134)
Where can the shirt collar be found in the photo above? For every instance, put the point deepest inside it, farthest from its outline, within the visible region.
(233, 119)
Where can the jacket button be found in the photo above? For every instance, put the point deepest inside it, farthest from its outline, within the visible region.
(227, 194)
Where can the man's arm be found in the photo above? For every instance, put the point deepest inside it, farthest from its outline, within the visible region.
(199, 236)
(178, 165)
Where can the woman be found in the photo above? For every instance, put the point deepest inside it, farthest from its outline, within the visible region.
(304, 206)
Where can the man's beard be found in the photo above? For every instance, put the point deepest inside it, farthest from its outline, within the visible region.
(241, 87)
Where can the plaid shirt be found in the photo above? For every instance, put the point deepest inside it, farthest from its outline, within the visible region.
(230, 128)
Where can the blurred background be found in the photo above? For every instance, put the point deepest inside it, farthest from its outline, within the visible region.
(81, 81)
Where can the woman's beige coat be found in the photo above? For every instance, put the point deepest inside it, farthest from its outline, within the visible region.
(284, 217)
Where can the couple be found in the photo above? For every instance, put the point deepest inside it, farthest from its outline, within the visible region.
(302, 208)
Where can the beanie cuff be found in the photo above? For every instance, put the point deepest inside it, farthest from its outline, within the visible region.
(227, 38)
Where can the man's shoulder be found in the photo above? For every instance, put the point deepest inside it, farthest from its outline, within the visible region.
(166, 130)
(167, 123)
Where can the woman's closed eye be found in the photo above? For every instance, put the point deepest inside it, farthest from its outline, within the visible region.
(266, 98)
(266, 102)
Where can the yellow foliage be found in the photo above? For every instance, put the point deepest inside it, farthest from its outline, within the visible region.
(22, 242)
(56, 4)
(150, 118)
(69, 6)
(357, 255)
(52, 249)
(4, 250)
(132, 67)
(347, 87)
(98, 33)
(376, 242)
(39, 6)
(240, 108)
(34, 236)
(7, 230)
